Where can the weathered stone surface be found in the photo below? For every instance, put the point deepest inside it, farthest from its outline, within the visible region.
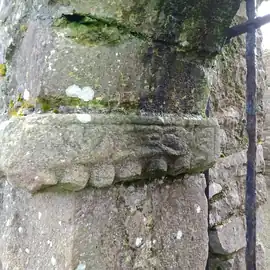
(153, 226)
(170, 21)
(41, 150)
(228, 237)
(87, 57)
(134, 54)
(228, 77)
(214, 189)
(237, 260)
(230, 174)
(102, 175)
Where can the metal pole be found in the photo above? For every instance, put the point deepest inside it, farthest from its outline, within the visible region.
(250, 204)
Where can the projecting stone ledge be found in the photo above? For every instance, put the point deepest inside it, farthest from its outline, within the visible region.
(71, 151)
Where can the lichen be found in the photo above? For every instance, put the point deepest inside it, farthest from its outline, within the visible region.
(3, 70)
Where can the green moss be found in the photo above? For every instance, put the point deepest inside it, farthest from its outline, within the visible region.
(91, 31)
(3, 70)
(53, 103)
(23, 28)
(12, 111)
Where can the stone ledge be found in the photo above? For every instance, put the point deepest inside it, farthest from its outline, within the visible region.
(74, 150)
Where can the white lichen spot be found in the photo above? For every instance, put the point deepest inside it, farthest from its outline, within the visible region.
(85, 93)
(138, 241)
(161, 119)
(20, 229)
(9, 222)
(26, 94)
(81, 266)
(198, 208)
(39, 215)
(84, 118)
(179, 235)
(60, 222)
(49, 242)
(27, 250)
(53, 261)
(154, 241)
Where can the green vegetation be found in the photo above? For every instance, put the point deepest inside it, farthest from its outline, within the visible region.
(91, 31)
(3, 70)
(53, 104)
(23, 28)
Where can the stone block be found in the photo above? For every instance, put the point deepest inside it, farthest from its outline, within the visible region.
(73, 150)
(152, 226)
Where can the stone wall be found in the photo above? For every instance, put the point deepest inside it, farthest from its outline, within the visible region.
(266, 147)
(266, 58)
(104, 138)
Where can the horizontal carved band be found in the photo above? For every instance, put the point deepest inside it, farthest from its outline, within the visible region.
(76, 150)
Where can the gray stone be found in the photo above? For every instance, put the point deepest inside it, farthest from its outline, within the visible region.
(112, 228)
(38, 149)
(228, 237)
(158, 165)
(237, 261)
(230, 174)
(214, 189)
(128, 171)
(102, 175)
(74, 177)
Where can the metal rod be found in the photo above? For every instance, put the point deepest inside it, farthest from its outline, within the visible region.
(250, 205)
(242, 28)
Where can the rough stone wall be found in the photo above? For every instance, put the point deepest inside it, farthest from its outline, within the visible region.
(226, 213)
(266, 147)
(266, 57)
(104, 138)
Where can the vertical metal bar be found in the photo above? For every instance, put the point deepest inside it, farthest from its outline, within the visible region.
(207, 179)
(250, 204)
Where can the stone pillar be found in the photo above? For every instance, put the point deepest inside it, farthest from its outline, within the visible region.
(103, 134)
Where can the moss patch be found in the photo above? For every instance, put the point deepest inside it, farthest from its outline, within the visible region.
(24, 104)
(53, 103)
(91, 31)
(3, 70)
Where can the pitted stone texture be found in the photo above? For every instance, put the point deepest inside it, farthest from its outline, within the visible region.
(154, 19)
(228, 75)
(45, 60)
(228, 237)
(155, 226)
(237, 260)
(102, 175)
(45, 150)
(230, 174)
(129, 171)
